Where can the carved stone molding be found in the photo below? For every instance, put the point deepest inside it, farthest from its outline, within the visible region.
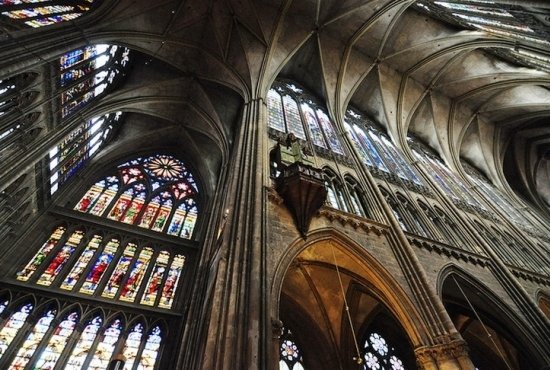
(352, 220)
(454, 351)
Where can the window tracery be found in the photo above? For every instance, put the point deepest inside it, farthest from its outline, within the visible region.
(88, 72)
(67, 340)
(105, 267)
(379, 354)
(66, 158)
(335, 192)
(291, 109)
(290, 356)
(358, 202)
(156, 192)
(449, 182)
(39, 13)
(377, 151)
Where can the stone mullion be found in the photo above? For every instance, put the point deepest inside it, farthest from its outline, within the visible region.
(502, 273)
(234, 333)
(439, 324)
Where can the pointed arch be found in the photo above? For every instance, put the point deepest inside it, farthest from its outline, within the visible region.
(491, 327)
(366, 269)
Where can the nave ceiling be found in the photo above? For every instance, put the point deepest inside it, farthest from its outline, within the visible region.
(198, 62)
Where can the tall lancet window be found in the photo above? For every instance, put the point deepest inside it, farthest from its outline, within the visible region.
(157, 193)
(376, 149)
(88, 72)
(292, 110)
(39, 13)
(495, 197)
(66, 158)
(449, 182)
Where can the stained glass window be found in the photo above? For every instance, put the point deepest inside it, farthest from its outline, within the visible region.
(84, 344)
(12, 326)
(376, 148)
(41, 255)
(39, 13)
(290, 109)
(151, 350)
(98, 268)
(379, 355)
(27, 349)
(107, 268)
(131, 346)
(157, 193)
(65, 159)
(106, 346)
(73, 343)
(290, 357)
(494, 196)
(58, 340)
(451, 184)
(86, 73)
(55, 266)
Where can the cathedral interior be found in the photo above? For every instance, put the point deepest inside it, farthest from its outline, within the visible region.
(275, 184)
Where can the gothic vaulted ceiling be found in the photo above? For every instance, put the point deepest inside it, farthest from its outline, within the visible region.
(472, 80)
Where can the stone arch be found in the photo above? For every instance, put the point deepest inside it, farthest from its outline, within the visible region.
(358, 268)
(495, 334)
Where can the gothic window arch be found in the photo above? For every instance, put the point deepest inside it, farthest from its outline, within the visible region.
(448, 228)
(33, 13)
(396, 209)
(494, 196)
(44, 338)
(357, 197)
(335, 192)
(449, 182)
(290, 355)
(292, 110)
(67, 157)
(376, 149)
(156, 192)
(89, 72)
(413, 218)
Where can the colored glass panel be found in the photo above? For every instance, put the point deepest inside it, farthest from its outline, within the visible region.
(44, 13)
(12, 326)
(171, 283)
(162, 216)
(80, 265)
(154, 285)
(41, 255)
(106, 347)
(50, 355)
(131, 287)
(60, 259)
(26, 351)
(118, 274)
(360, 149)
(82, 348)
(314, 128)
(275, 111)
(3, 306)
(131, 346)
(66, 158)
(100, 266)
(156, 192)
(151, 350)
(292, 117)
(330, 133)
(370, 148)
(189, 223)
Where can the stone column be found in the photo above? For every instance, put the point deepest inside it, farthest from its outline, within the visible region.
(449, 356)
